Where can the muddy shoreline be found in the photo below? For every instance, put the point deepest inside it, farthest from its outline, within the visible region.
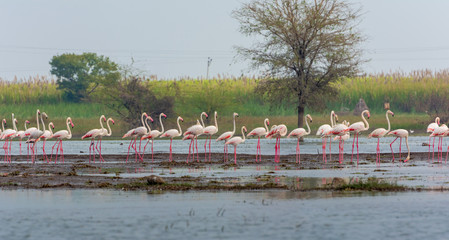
(108, 175)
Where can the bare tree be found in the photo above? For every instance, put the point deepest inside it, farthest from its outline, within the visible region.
(304, 45)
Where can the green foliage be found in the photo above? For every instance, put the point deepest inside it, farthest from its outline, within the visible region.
(80, 74)
(33, 90)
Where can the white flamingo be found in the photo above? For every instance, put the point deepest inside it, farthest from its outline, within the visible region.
(277, 132)
(195, 130)
(92, 134)
(137, 133)
(172, 133)
(235, 141)
(440, 132)
(357, 128)
(60, 135)
(104, 133)
(322, 131)
(28, 132)
(339, 130)
(400, 133)
(47, 135)
(299, 133)
(380, 133)
(430, 128)
(209, 131)
(259, 132)
(21, 135)
(8, 135)
(36, 134)
(227, 135)
(153, 134)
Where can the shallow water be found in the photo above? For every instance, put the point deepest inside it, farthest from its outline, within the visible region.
(311, 145)
(102, 214)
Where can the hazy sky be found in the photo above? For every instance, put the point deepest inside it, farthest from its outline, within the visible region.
(174, 38)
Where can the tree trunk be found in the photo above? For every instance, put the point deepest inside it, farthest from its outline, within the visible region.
(301, 115)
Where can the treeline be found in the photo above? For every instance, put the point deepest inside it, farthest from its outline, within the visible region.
(419, 91)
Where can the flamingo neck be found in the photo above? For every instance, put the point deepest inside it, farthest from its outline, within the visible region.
(437, 119)
(3, 126)
(364, 120)
(179, 126)
(233, 131)
(388, 120)
(143, 122)
(266, 126)
(101, 124)
(14, 123)
(332, 118)
(201, 117)
(243, 134)
(109, 128)
(49, 129)
(216, 123)
(308, 128)
(37, 120)
(43, 124)
(160, 121)
(147, 125)
(68, 128)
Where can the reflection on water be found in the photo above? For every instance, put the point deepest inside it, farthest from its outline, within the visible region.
(99, 214)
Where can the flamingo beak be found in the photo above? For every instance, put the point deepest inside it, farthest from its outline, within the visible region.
(112, 121)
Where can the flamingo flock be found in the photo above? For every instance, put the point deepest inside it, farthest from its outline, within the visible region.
(334, 131)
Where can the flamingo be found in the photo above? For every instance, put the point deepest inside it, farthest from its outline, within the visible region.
(47, 135)
(400, 133)
(92, 134)
(430, 128)
(342, 139)
(192, 138)
(60, 135)
(8, 135)
(187, 137)
(259, 132)
(30, 130)
(104, 132)
(322, 130)
(357, 128)
(299, 133)
(137, 133)
(209, 131)
(227, 135)
(195, 130)
(36, 134)
(277, 132)
(235, 141)
(21, 135)
(440, 133)
(173, 133)
(339, 130)
(154, 134)
(380, 133)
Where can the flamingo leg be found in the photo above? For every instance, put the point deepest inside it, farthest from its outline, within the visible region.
(224, 153)
(392, 147)
(428, 155)
(330, 149)
(298, 152)
(171, 139)
(378, 151)
(357, 148)
(152, 155)
(62, 151)
(353, 141)
(43, 150)
(400, 151)
(101, 157)
(20, 146)
(51, 156)
(324, 150)
(190, 146)
(90, 149)
(433, 149)
(57, 150)
(205, 150)
(235, 155)
(28, 152)
(210, 140)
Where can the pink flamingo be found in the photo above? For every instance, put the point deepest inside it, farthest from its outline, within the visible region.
(92, 134)
(430, 128)
(35, 136)
(172, 133)
(21, 135)
(259, 132)
(342, 139)
(104, 132)
(322, 131)
(188, 137)
(357, 128)
(209, 131)
(440, 133)
(339, 130)
(227, 135)
(60, 135)
(137, 133)
(153, 135)
(277, 132)
(299, 133)
(235, 141)
(380, 133)
(400, 133)
(196, 130)
(47, 135)
(192, 137)
(8, 135)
